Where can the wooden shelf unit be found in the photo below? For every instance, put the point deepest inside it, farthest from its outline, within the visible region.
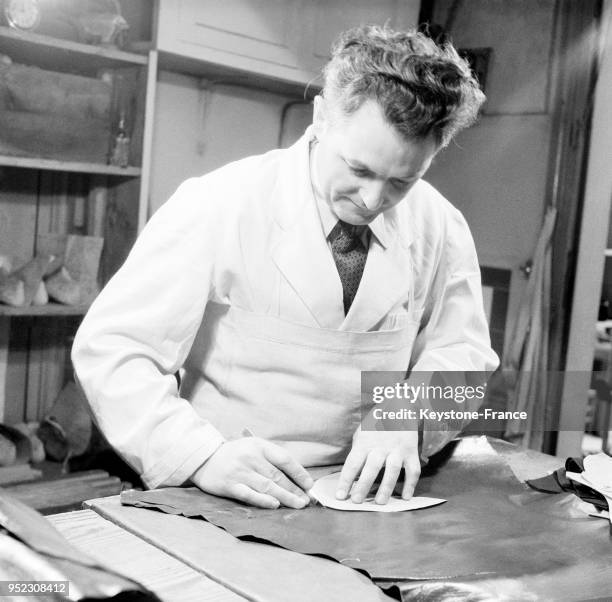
(65, 192)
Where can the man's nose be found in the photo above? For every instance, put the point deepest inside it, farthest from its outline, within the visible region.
(372, 194)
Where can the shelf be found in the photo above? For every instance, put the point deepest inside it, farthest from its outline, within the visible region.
(46, 52)
(224, 74)
(71, 166)
(51, 309)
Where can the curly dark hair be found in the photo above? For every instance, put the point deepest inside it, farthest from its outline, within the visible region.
(423, 89)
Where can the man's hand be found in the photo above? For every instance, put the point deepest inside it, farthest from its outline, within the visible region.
(374, 450)
(255, 472)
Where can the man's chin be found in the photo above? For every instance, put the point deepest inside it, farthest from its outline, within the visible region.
(353, 217)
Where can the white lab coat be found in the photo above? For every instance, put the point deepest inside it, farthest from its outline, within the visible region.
(233, 280)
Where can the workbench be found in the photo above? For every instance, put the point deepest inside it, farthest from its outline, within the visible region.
(186, 559)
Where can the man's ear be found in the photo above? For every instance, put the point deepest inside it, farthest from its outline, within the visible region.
(319, 115)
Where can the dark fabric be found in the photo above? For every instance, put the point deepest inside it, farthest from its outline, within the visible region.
(557, 482)
(484, 530)
(350, 256)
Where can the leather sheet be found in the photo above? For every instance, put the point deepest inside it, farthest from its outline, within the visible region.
(492, 525)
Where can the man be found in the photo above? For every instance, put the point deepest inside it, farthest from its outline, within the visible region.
(276, 280)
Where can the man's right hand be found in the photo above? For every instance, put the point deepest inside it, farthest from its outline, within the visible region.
(256, 472)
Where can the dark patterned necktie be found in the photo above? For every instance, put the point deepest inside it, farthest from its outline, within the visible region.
(350, 256)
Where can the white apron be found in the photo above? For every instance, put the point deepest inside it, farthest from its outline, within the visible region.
(296, 385)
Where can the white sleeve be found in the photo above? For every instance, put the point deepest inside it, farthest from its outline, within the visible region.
(455, 337)
(139, 331)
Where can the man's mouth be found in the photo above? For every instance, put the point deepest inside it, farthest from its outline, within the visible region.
(359, 206)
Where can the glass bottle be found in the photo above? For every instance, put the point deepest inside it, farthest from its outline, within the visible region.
(120, 154)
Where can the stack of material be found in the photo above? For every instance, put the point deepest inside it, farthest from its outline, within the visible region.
(67, 492)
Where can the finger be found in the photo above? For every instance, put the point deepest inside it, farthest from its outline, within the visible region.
(278, 477)
(412, 470)
(374, 462)
(284, 461)
(352, 465)
(393, 466)
(249, 496)
(266, 486)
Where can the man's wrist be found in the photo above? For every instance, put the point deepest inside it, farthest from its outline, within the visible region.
(196, 473)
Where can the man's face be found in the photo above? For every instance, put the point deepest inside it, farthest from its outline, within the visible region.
(361, 165)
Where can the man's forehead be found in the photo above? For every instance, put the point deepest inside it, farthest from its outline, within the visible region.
(412, 164)
(366, 139)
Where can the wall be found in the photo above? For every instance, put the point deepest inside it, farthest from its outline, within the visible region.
(200, 126)
(496, 172)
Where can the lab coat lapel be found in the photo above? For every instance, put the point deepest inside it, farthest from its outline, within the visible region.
(387, 277)
(300, 251)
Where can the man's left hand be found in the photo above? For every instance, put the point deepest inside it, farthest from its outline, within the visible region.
(373, 451)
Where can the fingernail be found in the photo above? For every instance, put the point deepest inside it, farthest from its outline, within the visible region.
(309, 483)
(341, 494)
(357, 499)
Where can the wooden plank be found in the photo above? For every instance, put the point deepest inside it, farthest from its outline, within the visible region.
(47, 363)
(74, 483)
(96, 209)
(120, 227)
(254, 570)
(60, 494)
(36, 369)
(299, 88)
(48, 51)
(5, 329)
(18, 227)
(16, 372)
(51, 309)
(147, 141)
(130, 555)
(70, 166)
(53, 203)
(18, 196)
(18, 473)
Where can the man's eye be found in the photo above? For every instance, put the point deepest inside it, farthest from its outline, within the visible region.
(401, 184)
(362, 173)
